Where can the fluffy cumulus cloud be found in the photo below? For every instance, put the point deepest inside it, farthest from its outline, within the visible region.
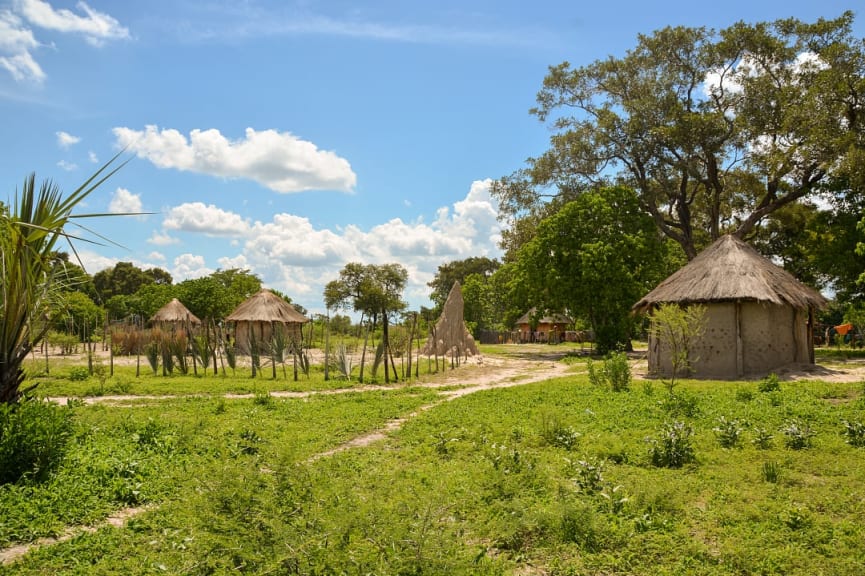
(204, 219)
(162, 239)
(17, 40)
(277, 160)
(291, 254)
(65, 139)
(125, 202)
(188, 266)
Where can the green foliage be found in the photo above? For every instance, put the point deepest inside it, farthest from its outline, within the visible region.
(78, 373)
(217, 295)
(588, 475)
(728, 432)
(798, 434)
(458, 271)
(676, 329)
(33, 438)
(769, 384)
(673, 448)
(556, 433)
(771, 472)
(595, 257)
(762, 439)
(614, 374)
(680, 148)
(854, 433)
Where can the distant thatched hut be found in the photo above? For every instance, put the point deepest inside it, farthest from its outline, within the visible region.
(173, 315)
(758, 316)
(261, 316)
(549, 327)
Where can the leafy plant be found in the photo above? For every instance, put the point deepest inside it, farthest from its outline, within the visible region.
(762, 438)
(78, 373)
(673, 448)
(798, 434)
(588, 475)
(555, 433)
(854, 433)
(33, 438)
(676, 328)
(615, 373)
(769, 384)
(728, 432)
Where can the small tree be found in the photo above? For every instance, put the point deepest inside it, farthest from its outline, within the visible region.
(676, 328)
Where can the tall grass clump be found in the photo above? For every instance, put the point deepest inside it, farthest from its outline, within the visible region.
(33, 438)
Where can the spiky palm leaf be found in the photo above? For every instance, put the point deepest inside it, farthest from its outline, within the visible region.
(29, 233)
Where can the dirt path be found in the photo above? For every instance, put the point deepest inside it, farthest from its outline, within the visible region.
(481, 373)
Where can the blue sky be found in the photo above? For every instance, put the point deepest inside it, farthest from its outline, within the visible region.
(292, 137)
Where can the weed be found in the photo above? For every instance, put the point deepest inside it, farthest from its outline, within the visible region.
(615, 373)
(854, 433)
(588, 475)
(681, 404)
(555, 433)
(673, 448)
(34, 436)
(78, 373)
(615, 498)
(771, 472)
(798, 434)
(796, 518)
(769, 384)
(263, 399)
(728, 432)
(762, 438)
(744, 395)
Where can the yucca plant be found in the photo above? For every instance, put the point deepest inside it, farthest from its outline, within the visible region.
(30, 230)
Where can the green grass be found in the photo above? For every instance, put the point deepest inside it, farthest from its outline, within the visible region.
(485, 484)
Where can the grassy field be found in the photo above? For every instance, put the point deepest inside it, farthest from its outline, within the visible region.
(559, 477)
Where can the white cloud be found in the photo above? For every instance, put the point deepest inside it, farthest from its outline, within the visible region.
(65, 139)
(95, 26)
(209, 220)
(158, 256)
(17, 41)
(125, 202)
(68, 166)
(278, 160)
(190, 266)
(159, 239)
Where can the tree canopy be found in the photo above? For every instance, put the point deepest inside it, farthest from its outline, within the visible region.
(458, 271)
(125, 279)
(715, 130)
(594, 258)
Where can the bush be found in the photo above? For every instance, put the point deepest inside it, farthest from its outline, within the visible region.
(79, 373)
(728, 432)
(769, 384)
(673, 449)
(798, 434)
(854, 433)
(615, 373)
(33, 439)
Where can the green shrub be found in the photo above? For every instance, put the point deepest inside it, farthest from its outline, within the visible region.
(33, 439)
(555, 433)
(798, 434)
(78, 373)
(854, 434)
(769, 384)
(615, 373)
(588, 475)
(673, 448)
(728, 432)
(771, 472)
(762, 438)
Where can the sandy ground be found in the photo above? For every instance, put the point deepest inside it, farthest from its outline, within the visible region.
(529, 363)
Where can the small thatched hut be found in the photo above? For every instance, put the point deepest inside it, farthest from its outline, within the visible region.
(758, 316)
(173, 315)
(550, 327)
(261, 316)
(450, 335)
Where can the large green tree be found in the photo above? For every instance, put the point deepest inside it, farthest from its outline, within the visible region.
(458, 271)
(30, 230)
(374, 290)
(594, 258)
(715, 130)
(125, 279)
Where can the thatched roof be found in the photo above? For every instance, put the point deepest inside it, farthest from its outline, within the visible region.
(175, 312)
(548, 318)
(730, 270)
(265, 306)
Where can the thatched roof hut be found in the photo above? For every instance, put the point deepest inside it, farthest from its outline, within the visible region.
(450, 335)
(173, 314)
(550, 327)
(758, 316)
(259, 318)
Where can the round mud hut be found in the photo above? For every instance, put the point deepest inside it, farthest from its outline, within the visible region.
(758, 317)
(257, 321)
(174, 315)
